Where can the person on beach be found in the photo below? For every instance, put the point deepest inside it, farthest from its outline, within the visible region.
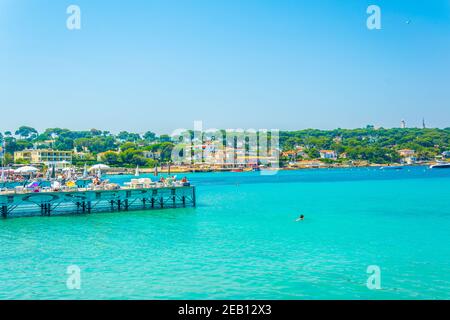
(96, 181)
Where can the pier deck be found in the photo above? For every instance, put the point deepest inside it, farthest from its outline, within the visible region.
(91, 201)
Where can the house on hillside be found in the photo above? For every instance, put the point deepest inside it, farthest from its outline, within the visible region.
(408, 156)
(328, 154)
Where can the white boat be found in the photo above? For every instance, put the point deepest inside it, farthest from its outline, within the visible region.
(392, 168)
(445, 165)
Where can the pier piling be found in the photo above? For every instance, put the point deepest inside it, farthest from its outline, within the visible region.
(194, 200)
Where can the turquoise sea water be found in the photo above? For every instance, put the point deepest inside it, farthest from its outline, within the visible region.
(241, 242)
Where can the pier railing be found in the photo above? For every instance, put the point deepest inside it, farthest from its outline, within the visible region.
(90, 201)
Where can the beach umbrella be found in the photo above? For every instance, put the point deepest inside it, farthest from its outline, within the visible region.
(99, 166)
(26, 169)
(53, 171)
(137, 172)
(71, 184)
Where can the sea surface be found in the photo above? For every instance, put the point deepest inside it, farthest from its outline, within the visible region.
(242, 241)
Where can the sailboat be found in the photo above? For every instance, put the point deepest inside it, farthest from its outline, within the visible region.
(85, 171)
(136, 174)
(69, 175)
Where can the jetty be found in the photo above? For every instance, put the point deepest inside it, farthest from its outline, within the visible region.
(87, 201)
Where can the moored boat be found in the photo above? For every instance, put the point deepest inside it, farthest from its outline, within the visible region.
(440, 166)
(392, 168)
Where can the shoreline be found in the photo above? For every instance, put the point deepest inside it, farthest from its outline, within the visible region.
(129, 171)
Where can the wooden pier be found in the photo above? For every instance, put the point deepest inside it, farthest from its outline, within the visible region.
(91, 201)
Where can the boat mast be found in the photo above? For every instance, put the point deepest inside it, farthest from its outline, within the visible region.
(2, 152)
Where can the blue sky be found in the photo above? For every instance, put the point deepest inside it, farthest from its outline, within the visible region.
(159, 65)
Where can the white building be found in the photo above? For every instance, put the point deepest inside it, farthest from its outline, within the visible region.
(403, 124)
(328, 154)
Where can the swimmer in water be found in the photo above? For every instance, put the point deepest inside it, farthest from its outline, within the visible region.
(301, 218)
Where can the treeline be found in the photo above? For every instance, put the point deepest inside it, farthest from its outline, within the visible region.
(130, 149)
(122, 149)
(369, 144)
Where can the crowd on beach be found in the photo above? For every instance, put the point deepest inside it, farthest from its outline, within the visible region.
(71, 181)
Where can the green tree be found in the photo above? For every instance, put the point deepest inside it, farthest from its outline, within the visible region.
(149, 136)
(13, 145)
(96, 132)
(9, 159)
(21, 161)
(111, 158)
(26, 132)
(165, 138)
(313, 153)
(128, 145)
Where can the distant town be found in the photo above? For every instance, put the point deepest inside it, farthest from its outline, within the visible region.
(297, 149)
